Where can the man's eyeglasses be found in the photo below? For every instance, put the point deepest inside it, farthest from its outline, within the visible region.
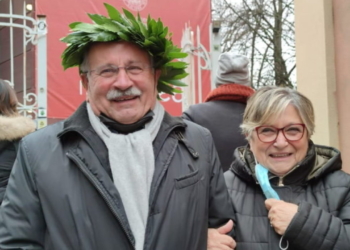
(111, 71)
(292, 132)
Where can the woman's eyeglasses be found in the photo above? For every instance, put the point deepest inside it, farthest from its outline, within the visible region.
(292, 132)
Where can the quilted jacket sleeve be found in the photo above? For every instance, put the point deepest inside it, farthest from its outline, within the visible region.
(220, 206)
(21, 219)
(315, 228)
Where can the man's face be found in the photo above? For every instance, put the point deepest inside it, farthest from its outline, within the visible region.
(124, 94)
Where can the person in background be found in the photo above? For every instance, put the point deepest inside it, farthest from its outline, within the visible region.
(12, 128)
(222, 111)
(120, 173)
(302, 201)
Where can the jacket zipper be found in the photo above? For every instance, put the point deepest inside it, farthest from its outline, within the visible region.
(280, 179)
(90, 177)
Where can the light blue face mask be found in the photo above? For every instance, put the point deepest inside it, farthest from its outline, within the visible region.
(262, 174)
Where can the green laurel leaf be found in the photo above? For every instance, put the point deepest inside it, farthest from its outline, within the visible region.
(113, 13)
(151, 36)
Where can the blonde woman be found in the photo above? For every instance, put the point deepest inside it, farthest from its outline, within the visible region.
(287, 192)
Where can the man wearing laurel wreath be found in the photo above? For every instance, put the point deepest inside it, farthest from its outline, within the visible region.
(120, 173)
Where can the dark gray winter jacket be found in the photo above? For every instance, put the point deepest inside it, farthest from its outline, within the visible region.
(222, 118)
(317, 185)
(61, 195)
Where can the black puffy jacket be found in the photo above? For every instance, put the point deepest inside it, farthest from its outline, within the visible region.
(61, 194)
(317, 185)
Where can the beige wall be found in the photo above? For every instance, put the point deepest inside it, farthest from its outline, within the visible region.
(341, 10)
(323, 68)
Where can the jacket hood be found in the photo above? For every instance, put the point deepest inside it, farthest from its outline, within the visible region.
(15, 127)
(318, 162)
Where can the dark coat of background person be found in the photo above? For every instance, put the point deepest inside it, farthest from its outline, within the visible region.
(318, 185)
(12, 129)
(222, 111)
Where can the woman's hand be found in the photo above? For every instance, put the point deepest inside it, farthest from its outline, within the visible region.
(280, 214)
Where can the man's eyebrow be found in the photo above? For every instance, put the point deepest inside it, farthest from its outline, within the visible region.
(108, 65)
(128, 62)
(134, 61)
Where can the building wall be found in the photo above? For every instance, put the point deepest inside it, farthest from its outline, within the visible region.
(323, 68)
(341, 11)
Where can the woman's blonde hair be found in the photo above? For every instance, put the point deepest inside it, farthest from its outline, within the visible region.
(8, 99)
(270, 102)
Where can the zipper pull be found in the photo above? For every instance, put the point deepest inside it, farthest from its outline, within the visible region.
(280, 182)
(280, 245)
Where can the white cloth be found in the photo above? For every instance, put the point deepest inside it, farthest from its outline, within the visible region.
(132, 163)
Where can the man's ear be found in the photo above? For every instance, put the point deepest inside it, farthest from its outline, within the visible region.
(84, 81)
(157, 74)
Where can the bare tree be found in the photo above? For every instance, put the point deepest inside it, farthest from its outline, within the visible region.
(263, 30)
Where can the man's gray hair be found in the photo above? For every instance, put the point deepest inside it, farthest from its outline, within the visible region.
(84, 66)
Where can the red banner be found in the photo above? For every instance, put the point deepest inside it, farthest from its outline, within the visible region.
(64, 90)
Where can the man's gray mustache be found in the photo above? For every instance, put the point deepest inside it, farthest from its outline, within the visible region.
(115, 93)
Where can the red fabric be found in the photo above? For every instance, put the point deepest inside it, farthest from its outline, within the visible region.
(230, 92)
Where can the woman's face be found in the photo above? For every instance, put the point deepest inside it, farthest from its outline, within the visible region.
(280, 155)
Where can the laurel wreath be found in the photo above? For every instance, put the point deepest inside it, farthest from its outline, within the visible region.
(153, 37)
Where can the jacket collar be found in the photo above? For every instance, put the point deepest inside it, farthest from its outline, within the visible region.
(78, 126)
(168, 125)
(15, 127)
(79, 123)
